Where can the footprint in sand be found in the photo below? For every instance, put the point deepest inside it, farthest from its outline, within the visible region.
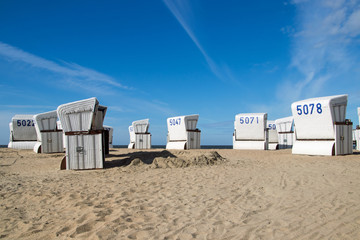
(82, 229)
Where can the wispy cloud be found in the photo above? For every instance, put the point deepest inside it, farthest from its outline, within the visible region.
(325, 33)
(140, 106)
(116, 109)
(28, 106)
(182, 11)
(73, 76)
(149, 106)
(72, 73)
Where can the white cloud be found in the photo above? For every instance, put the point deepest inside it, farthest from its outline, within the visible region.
(78, 78)
(72, 73)
(27, 106)
(182, 12)
(116, 109)
(352, 25)
(142, 105)
(325, 33)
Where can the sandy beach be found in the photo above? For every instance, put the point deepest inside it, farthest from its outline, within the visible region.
(194, 194)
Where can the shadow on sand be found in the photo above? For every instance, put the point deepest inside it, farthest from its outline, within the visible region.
(126, 159)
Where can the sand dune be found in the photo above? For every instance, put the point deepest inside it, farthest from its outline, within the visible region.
(196, 194)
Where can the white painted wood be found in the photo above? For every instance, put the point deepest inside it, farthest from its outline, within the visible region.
(324, 147)
(182, 132)
(318, 123)
(316, 130)
(193, 141)
(357, 137)
(142, 141)
(51, 141)
(22, 145)
(22, 132)
(180, 145)
(141, 126)
(132, 137)
(285, 130)
(79, 115)
(250, 131)
(343, 139)
(273, 136)
(84, 151)
(357, 132)
(140, 138)
(99, 116)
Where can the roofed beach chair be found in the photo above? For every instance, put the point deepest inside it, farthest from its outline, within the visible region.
(82, 122)
(321, 127)
(50, 139)
(285, 131)
(140, 138)
(182, 132)
(273, 136)
(22, 132)
(250, 131)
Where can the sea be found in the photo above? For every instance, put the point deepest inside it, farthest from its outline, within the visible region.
(202, 147)
(163, 146)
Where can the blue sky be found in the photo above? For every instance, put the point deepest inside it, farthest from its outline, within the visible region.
(157, 59)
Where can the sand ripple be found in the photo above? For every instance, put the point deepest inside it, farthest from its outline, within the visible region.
(201, 194)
